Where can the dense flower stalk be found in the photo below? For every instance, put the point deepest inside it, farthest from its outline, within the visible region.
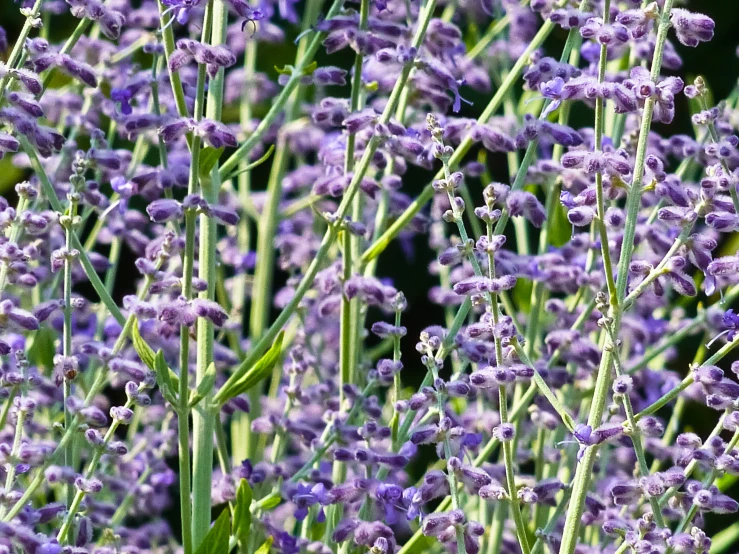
(204, 344)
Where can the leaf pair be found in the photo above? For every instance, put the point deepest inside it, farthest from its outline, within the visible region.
(218, 538)
(244, 379)
(239, 383)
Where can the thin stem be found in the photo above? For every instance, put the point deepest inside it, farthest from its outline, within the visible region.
(451, 475)
(688, 471)
(267, 226)
(633, 203)
(635, 434)
(169, 47)
(346, 361)
(240, 422)
(307, 281)
(203, 416)
(120, 513)
(100, 381)
(20, 43)
(707, 482)
(523, 540)
(11, 466)
(601, 210)
(62, 536)
(13, 234)
(68, 219)
(686, 382)
(50, 193)
(460, 151)
(245, 149)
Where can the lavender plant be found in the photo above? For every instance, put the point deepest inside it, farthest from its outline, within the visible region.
(203, 350)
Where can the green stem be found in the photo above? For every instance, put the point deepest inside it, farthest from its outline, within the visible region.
(633, 203)
(523, 540)
(120, 513)
(13, 234)
(307, 281)
(345, 376)
(451, 475)
(688, 471)
(707, 482)
(62, 536)
(635, 434)
(14, 451)
(50, 193)
(428, 192)
(169, 47)
(245, 149)
(267, 227)
(686, 382)
(20, 43)
(601, 210)
(100, 381)
(240, 422)
(203, 416)
(67, 335)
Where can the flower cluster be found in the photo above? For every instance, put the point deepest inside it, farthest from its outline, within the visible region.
(202, 347)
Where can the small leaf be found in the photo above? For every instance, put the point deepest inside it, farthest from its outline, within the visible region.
(254, 375)
(287, 70)
(375, 250)
(144, 351)
(394, 427)
(270, 502)
(317, 530)
(560, 231)
(208, 159)
(42, 350)
(242, 512)
(264, 549)
(252, 165)
(310, 68)
(164, 379)
(204, 387)
(216, 541)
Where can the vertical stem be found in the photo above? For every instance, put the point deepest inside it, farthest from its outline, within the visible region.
(633, 203)
(345, 375)
(203, 416)
(17, 51)
(599, 123)
(240, 423)
(636, 439)
(451, 475)
(264, 271)
(67, 337)
(188, 263)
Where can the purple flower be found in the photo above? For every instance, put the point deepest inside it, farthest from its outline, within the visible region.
(691, 28)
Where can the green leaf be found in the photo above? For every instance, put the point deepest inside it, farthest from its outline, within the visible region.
(144, 351)
(204, 387)
(164, 379)
(317, 530)
(270, 503)
(42, 349)
(561, 229)
(264, 549)
(287, 70)
(252, 165)
(254, 375)
(242, 512)
(216, 541)
(309, 69)
(208, 159)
